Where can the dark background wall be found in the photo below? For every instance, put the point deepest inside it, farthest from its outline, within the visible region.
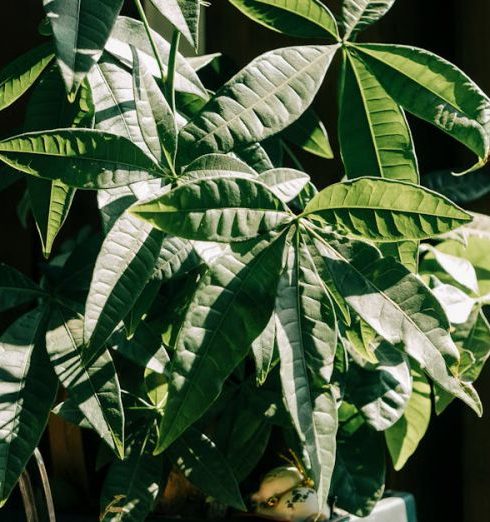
(450, 474)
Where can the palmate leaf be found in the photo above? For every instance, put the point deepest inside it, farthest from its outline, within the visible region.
(359, 476)
(16, 288)
(434, 90)
(358, 14)
(144, 349)
(80, 29)
(80, 158)
(397, 305)
(475, 252)
(217, 165)
(141, 306)
(269, 94)
(403, 437)
(183, 15)
(246, 435)
(285, 183)
(203, 465)
(49, 108)
(154, 114)
(473, 341)
(115, 112)
(309, 133)
(112, 93)
(406, 252)
(255, 156)
(177, 257)
(124, 266)
(235, 295)
(387, 210)
(381, 391)
(27, 393)
(128, 31)
(132, 484)
(307, 339)
(263, 350)
(303, 18)
(374, 135)
(459, 269)
(19, 75)
(216, 209)
(93, 388)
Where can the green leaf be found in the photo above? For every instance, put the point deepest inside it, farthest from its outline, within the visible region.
(386, 210)
(144, 349)
(128, 31)
(183, 15)
(123, 268)
(27, 392)
(217, 165)
(403, 438)
(381, 391)
(19, 75)
(49, 109)
(286, 184)
(307, 341)
(307, 19)
(309, 133)
(80, 29)
(398, 306)
(141, 306)
(434, 90)
(374, 135)
(359, 14)
(256, 157)
(263, 350)
(475, 252)
(112, 92)
(81, 158)
(71, 413)
(359, 476)
(269, 94)
(203, 60)
(458, 268)
(235, 295)
(132, 484)
(247, 439)
(215, 209)
(16, 288)
(406, 252)
(203, 465)
(473, 340)
(456, 303)
(93, 388)
(177, 257)
(155, 116)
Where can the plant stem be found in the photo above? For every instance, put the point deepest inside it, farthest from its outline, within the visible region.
(142, 14)
(172, 62)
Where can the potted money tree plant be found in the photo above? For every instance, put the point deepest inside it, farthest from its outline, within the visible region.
(226, 311)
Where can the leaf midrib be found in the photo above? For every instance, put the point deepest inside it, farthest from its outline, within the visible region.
(251, 108)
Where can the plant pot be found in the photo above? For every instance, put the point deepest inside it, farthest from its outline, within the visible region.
(396, 507)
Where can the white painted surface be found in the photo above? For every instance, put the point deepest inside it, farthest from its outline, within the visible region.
(388, 510)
